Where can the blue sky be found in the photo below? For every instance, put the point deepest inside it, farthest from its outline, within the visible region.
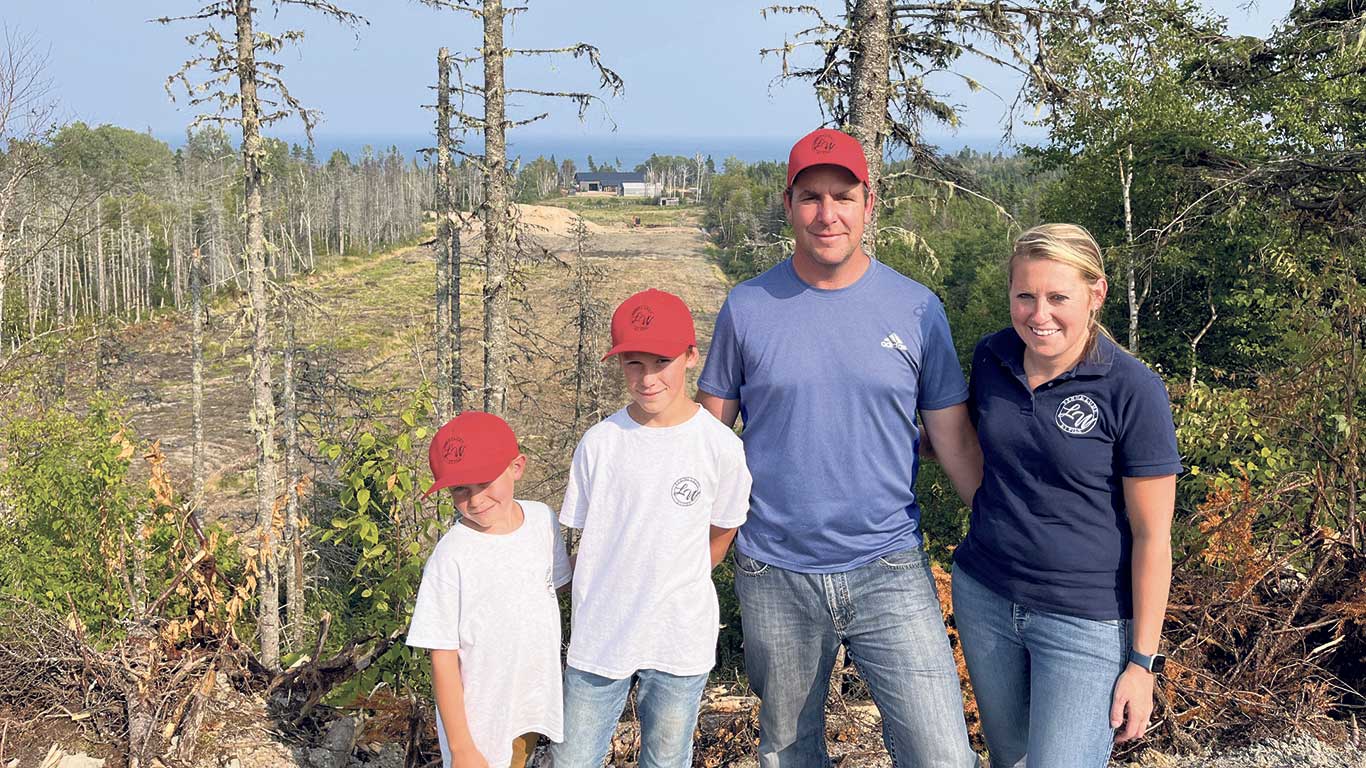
(691, 68)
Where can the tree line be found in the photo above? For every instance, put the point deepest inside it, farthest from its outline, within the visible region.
(110, 220)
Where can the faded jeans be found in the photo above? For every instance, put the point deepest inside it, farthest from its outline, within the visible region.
(887, 616)
(1043, 681)
(666, 704)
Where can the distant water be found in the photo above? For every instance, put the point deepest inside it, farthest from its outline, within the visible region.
(625, 152)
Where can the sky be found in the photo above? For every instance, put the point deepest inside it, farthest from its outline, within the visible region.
(692, 68)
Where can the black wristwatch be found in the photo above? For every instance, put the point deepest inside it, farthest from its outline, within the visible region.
(1154, 663)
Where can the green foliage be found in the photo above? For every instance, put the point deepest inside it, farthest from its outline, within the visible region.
(382, 533)
(113, 159)
(536, 181)
(65, 478)
(84, 538)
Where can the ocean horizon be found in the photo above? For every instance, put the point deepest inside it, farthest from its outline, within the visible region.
(622, 151)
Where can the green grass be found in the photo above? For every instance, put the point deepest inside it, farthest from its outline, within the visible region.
(620, 210)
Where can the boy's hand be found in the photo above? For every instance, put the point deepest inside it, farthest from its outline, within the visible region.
(468, 758)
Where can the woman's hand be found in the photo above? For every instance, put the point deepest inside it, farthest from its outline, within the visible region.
(1132, 704)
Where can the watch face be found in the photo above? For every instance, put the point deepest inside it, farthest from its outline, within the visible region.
(1159, 664)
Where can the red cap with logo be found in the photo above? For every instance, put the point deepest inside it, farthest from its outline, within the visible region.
(652, 321)
(474, 447)
(826, 146)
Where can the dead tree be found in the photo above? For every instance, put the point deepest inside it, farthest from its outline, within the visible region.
(871, 78)
(449, 400)
(26, 114)
(242, 55)
(590, 322)
(197, 378)
(499, 229)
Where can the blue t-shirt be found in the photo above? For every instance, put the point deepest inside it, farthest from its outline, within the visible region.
(829, 382)
(1049, 525)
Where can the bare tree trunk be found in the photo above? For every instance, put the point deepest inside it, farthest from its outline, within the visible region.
(1195, 342)
(293, 545)
(1126, 180)
(872, 26)
(197, 377)
(263, 404)
(4, 273)
(496, 224)
(445, 392)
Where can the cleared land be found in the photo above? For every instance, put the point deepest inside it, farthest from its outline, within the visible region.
(370, 331)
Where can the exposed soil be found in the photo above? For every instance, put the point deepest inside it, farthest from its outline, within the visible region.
(372, 328)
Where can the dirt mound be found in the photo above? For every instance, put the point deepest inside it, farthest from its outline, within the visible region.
(554, 221)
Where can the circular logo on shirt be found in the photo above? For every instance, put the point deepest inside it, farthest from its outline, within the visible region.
(686, 491)
(453, 449)
(1077, 415)
(642, 317)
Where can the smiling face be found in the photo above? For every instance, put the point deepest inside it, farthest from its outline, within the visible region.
(1051, 305)
(828, 208)
(658, 387)
(489, 507)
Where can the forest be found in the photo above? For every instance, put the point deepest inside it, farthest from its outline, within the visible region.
(1224, 177)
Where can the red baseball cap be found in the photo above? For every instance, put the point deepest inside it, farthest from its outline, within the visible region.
(826, 146)
(652, 321)
(474, 447)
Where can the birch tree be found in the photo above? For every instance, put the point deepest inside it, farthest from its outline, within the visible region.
(242, 55)
(1122, 86)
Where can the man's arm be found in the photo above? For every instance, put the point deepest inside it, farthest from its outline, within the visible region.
(725, 411)
(449, 693)
(720, 539)
(955, 447)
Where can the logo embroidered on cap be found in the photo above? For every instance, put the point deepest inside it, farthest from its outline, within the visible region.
(1077, 415)
(893, 341)
(642, 317)
(453, 449)
(686, 491)
(822, 145)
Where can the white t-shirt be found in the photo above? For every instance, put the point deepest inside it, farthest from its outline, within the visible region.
(492, 597)
(645, 498)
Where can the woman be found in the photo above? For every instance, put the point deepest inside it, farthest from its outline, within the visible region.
(1060, 587)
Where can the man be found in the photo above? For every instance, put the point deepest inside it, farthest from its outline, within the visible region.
(829, 355)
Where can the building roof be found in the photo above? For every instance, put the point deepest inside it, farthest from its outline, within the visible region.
(610, 178)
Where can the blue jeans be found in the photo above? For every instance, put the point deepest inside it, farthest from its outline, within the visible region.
(887, 616)
(1043, 680)
(667, 705)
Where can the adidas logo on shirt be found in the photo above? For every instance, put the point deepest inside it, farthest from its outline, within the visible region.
(893, 341)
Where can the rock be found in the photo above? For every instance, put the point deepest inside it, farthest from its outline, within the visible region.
(1151, 758)
(387, 756)
(58, 758)
(337, 745)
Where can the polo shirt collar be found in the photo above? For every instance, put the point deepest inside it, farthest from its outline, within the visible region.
(1008, 347)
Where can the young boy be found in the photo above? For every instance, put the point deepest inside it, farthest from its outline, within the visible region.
(487, 606)
(658, 488)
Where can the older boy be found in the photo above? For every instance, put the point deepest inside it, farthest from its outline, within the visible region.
(487, 606)
(658, 488)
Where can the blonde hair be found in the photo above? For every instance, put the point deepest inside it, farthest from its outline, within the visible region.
(1068, 244)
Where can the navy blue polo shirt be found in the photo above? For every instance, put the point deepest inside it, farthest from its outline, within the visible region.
(1049, 527)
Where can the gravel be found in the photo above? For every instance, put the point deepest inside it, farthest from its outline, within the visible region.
(1296, 751)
